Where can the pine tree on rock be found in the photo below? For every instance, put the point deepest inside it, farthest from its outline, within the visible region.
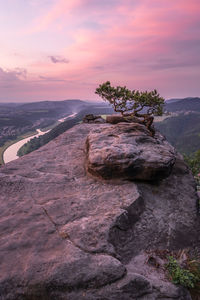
(133, 103)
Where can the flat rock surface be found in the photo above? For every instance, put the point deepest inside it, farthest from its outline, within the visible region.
(67, 235)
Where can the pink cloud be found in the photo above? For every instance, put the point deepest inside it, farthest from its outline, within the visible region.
(144, 44)
(59, 9)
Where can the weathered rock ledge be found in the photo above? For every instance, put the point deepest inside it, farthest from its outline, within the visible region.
(68, 235)
(127, 150)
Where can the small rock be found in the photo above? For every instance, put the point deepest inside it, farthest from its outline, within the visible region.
(93, 119)
(135, 284)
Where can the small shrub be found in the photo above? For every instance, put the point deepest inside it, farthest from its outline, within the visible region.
(193, 162)
(180, 275)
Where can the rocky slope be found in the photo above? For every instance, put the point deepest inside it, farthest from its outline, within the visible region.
(71, 231)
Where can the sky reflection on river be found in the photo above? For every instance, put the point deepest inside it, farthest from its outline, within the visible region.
(11, 152)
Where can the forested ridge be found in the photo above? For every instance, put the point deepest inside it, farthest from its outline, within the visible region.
(182, 131)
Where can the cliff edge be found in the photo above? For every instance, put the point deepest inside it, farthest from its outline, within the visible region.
(79, 216)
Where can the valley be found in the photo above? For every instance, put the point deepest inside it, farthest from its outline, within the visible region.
(182, 126)
(180, 123)
(11, 150)
(21, 121)
(17, 119)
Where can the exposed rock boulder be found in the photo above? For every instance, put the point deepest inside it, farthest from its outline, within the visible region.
(115, 119)
(128, 151)
(67, 235)
(93, 119)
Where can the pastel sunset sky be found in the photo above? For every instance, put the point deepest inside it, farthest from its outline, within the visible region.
(63, 49)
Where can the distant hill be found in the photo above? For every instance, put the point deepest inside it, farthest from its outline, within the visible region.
(186, 104)
(182, 130)
(57, 105)
(172, 100)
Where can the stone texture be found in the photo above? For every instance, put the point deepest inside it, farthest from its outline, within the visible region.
(128, 151)
(115, 119)
(67, 235)
(93, 119)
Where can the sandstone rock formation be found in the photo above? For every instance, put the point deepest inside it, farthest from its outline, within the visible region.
(68, 235)
(128, 151)
(93, 119)
(115, 119)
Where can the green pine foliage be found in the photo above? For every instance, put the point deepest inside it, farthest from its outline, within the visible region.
(124, 100)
